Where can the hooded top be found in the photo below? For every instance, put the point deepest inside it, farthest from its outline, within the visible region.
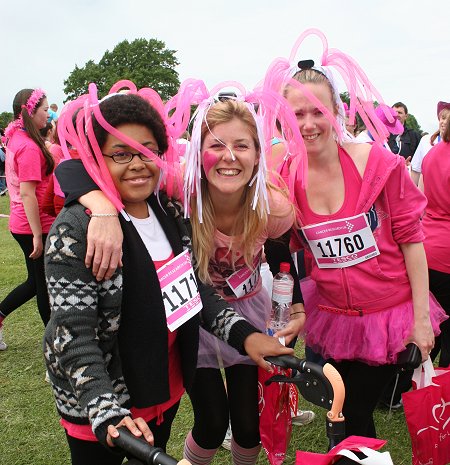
(394, 207)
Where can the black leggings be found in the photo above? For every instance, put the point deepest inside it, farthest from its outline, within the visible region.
(440, 287)
(364, 385)
(214, 405)
(35, 284)
(93, 453)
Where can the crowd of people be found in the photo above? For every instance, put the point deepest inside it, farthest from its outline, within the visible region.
(145, 253)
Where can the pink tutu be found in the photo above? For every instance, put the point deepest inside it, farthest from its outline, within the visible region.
(214, 353)
(374, 338)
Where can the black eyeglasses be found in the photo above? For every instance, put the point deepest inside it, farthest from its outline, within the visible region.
(126, 157)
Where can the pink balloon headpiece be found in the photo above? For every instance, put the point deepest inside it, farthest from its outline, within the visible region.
(266, 107)
(75, 129)
(361, 92)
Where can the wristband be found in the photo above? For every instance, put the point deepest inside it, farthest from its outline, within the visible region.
(103, 215)
(295, 313)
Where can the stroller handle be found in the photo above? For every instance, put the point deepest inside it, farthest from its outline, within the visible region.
(323, 386)
(142, 450)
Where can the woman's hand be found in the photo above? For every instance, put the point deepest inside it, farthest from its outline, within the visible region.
(38, 247)
(259, 345)
(295, 325)
(422, 335)
(104, 246)
(137, 426)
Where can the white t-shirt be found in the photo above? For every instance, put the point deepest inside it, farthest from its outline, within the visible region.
(153, 236)
(422, 149)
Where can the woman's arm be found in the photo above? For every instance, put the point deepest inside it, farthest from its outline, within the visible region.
(31, 207)
(104, 250)
(416, 267)
(220, 319)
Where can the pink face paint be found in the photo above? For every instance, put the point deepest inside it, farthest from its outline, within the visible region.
(209, 160)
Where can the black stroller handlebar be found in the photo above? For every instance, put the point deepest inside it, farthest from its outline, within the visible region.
(142, 450)
(320, 385)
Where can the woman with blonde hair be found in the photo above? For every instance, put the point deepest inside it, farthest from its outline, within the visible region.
(234, 211)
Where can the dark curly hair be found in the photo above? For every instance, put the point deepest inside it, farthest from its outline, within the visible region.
(130, 108)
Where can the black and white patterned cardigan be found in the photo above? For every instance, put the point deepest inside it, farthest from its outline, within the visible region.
(106, 343)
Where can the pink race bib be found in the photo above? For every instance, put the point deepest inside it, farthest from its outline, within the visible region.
(179, 290)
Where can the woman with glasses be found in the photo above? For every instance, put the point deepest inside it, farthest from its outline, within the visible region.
(122, 351)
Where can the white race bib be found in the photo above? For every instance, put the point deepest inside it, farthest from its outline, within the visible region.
(244, 281)
(341, 243)
(179, 290)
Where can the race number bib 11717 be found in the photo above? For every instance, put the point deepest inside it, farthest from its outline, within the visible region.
(179, 290)
(245, 280)
(341, 243)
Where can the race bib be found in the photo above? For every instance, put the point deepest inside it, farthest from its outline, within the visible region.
(341, 243)
(179, 290)
(244, 281)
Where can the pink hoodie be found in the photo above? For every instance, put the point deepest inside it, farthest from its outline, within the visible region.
(394, 207)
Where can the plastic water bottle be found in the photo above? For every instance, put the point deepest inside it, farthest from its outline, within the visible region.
(283, 285)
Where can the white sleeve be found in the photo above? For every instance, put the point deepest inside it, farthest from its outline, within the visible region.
(422, 149)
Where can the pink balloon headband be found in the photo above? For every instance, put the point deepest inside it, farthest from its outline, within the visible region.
(266, 107)
(361, 92)
(75, 129)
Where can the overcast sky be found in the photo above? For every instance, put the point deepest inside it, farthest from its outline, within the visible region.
(403, 46)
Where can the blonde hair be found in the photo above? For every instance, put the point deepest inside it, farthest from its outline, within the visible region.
(249, 223)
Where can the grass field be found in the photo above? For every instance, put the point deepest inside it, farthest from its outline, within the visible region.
(29, 430)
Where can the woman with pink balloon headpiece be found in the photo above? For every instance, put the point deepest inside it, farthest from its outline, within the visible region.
(360, 226)
(121, 351)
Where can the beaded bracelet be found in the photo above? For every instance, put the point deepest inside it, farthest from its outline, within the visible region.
(102, 215)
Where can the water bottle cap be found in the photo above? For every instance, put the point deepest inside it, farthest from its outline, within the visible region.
(285, 267)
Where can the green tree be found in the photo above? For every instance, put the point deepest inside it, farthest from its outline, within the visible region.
(412, 123)
(148, 63)
(5, 118)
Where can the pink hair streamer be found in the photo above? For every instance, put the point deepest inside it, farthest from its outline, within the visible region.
(81, 136)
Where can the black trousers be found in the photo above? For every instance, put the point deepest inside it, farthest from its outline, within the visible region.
(440, 287)
(93, 453)
(364, 385)
(34, 285)
(214, 405)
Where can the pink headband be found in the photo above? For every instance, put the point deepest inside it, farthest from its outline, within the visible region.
(81, 136)
(30, 106)
(33, 100)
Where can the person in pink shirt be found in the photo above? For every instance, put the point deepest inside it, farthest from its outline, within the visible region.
(359, 215)
(231, 222)
(29, 165)
(436, 226)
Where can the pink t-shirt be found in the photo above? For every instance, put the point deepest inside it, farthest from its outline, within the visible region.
(25, 162)
(436, 222)
(227, 261)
